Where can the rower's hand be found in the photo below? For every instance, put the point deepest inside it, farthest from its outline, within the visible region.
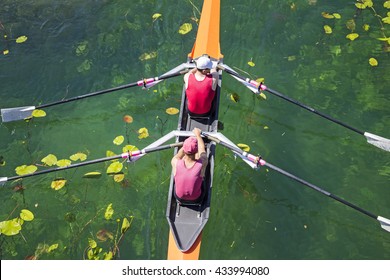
(196, 131)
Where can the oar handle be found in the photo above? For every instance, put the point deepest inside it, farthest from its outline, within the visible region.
(143, 82)
(255, 159)
(126, 155)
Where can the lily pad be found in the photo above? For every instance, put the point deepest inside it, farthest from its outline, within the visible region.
(49, 160)
(172, 111)
(119, 140)
(109, 212)
(21, 39)
(143, 133)
(58, 184)
(38, 113)
(185, 28)
(25, 169)
(92, 175)
(63, 162)
(26, 215)
(78, 156)
(115, 167)
(244, 147)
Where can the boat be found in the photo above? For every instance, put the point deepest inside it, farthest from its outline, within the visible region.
(186, 220)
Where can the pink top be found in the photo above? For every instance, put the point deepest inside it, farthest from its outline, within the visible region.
(200, 94)
(188, 181)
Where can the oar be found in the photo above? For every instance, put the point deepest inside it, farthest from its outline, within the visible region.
(385, 223)
(20, 113)
(378, 141)
(127, 155)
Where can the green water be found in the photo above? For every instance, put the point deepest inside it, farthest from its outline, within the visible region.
(254, 214)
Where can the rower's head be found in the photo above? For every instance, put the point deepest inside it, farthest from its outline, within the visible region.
(190, 146)
(204, 63)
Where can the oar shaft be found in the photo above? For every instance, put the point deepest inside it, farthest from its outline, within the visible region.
(278, 94)
(324, 192)
(123, 155)
(263, 87)
(143, 82)
(262, 162)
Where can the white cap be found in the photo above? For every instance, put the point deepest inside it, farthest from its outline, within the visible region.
(204, 62)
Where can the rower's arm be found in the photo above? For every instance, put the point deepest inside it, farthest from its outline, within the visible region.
(179, 155)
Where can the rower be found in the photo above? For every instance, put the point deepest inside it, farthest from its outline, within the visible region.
(188, 167)
(200, 85)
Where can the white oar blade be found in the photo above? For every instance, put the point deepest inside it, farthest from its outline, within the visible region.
(378, 141)
(16, 114)
(385, 223)
(3, 180)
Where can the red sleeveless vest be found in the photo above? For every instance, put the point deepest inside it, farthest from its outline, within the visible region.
(199, 94)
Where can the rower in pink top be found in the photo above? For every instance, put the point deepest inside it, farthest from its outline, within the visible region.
(200, 84)
(188, 167)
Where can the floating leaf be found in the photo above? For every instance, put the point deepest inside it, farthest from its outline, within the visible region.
(386, 4)
(156, 16)
(361, 5)
(49, 160)
(78, 156)
(327, 15)
(38, 113)
(128, 119)
(25, 169)
(52, 247)
(251, 63)
(125, 225)
(147, 56)
(243, 147)
(63, 162)
(5, 52)
(21, 39)
(185, 28)
(108, 256)
(327, 29)
(58, 184)
(26, 215)
(92, 243)
(352, 36)
(260, 80)
(234, 97)
(109, 212)
(351, 25)
(119, 140)
(366, 27)
(94, 174)
(114, 167)
(143, 133)
(82, 48)
(129, 148)
(110, 153)
(119, 177)
(373, 62)
(11, 227)
(386, 19)
(337, 15)
(172, 111)
(266, 127)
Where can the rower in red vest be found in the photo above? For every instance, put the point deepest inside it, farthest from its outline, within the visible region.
(188, 167)
(201, 83)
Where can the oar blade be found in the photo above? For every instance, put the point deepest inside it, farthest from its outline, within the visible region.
(3, 180)
(378, 141)
(385, 223)
(16, 114)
